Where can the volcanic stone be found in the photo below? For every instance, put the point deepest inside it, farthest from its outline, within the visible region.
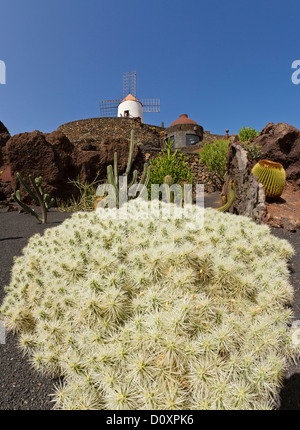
(281, 143)
(4, 137)
(58, 161)
(39, 154)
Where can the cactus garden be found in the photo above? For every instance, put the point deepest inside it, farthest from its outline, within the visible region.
(140, 313)
(149, 208)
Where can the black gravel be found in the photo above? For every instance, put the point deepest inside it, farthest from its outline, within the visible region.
(21, 387)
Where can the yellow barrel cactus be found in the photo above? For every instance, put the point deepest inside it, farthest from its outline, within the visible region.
(272, 176)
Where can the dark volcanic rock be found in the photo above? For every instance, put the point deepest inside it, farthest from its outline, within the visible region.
(57, 160)
(64, 153)
(281, 143)
(4, 137)
(46, 155)
(110, 145)
(3, 129)
(89, 163)
(5, 191)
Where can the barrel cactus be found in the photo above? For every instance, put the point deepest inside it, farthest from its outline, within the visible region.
(272, 176)
(145, 312)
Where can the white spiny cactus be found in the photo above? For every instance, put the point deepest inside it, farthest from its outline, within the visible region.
(137, 312)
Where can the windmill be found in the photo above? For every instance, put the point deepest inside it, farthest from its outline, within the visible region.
(129, 106)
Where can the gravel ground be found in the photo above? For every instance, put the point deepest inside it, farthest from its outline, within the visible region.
(21, 388)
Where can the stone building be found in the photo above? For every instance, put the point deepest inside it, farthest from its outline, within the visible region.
(184, 132)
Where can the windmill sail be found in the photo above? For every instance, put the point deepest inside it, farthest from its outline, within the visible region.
(151, 105)
(129, 84)
(109, 107)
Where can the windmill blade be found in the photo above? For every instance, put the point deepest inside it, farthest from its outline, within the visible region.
(151, 105)
(109, 107)
(129, 84)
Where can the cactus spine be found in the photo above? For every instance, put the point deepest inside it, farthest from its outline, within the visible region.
(41, 199)
(272, 176)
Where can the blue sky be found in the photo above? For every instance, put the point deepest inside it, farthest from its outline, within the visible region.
(226, 64)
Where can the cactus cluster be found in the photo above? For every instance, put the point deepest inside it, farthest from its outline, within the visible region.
(113, 174)
(155, 313)
(37, 194)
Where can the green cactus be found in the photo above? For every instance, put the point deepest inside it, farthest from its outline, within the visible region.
(230, 199)
(38, 195)
(113, 174)
(272, 176)
(168, 180)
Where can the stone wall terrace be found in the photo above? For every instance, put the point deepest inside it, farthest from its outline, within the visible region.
(100, 128)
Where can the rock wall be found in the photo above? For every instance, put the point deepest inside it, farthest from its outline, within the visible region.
(208, 137)
(101, 128)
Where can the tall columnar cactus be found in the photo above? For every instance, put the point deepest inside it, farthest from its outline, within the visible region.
(272, 176)
(141, 313)
(113, 174)
(39, 196)
(168, 180)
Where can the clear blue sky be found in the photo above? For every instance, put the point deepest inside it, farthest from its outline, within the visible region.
(227, 64)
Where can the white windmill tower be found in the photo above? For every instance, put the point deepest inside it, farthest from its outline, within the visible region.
(129, 106)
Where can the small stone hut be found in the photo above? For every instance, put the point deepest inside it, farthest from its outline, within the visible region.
(184, 132)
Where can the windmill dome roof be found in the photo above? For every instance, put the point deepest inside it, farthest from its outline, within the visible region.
(130, 97)
(183, 119)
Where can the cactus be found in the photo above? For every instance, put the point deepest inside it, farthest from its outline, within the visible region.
(231, 198)
(168, 180)
(41, 199)
(171, 314)
(113, 175)
(272, 176)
